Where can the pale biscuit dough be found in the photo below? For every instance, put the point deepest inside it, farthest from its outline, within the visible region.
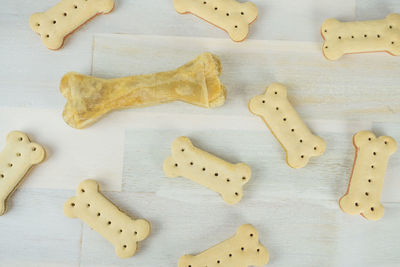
(361, 36)
(90, 98)
(230, 15)
(287, 126)
(105, 218)
(58, 22)
(201, 167)
(242, 250)
(18, 156)
(365, 186)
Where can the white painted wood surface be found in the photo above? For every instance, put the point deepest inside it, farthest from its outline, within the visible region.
(295, 211)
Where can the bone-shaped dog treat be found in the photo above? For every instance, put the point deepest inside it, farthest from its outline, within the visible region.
(365, 186)
(230, 15)
(287, 126)
(361, 36)
(90, 98)
(201, 167)
(241, 250)
(16, 159)
(58, 22)
(104, 217)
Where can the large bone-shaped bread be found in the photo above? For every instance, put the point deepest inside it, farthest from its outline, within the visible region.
(230, 15)
(287, 126)
(361, 36)
(90, 98)
(365, 186)
(19, 155)
(58, 22)
(201, 167)
(241, 250)
(105, 218)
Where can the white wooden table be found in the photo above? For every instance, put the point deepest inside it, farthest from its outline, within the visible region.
(295, 211)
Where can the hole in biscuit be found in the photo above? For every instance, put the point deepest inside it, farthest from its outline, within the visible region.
(284, 119)
(242, 13)
(339, 37)
(120, 230)
(369, 180)
(191, 163)
(47, 35)
(33, 148)
(10, 165)
(372, 166)
(65, 14)
(352, 37)
(183, 150)
(18, 154)
(392, 43)
(37, 24)
(236, 26)
(374, 153)
(228, 180)
(365, 35)
(386, 142)
(302, 156)
(72, 204)
(227, 14)
(276, 92)
(378, 36)
(83, 190)
(326, 47)
(204, 2)
(372, 208)
(242, 248)
(124, 246)
(326, 31)
(88, 205)
(215, 8)
(366, 193)
(216, 174)
(251, 235)
(54, 21)
(263, 101)
(356, 204)
(204, 169)
(243, 178)
(109, 222)
(176, 164)
(236, 194)
(292, 130)
(98, 214)
(230, 255)
(75, 6)
(2, 175)
(218, 261)
(20, 139)
(277, 108)
(258, 250)
(390, 27)
(135, 233)
(369, 139)
(315, 148)
(301, 140)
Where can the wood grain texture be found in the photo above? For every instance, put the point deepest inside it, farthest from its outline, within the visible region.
(295, 211)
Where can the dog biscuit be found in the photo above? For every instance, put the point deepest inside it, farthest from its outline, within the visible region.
(241, 250)
(230, 15)
(361, 36)
(201, 167)
(90, 98)
(105, 218)
(366, 181)
(287, 126)
(16, 159)
(64, 18)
